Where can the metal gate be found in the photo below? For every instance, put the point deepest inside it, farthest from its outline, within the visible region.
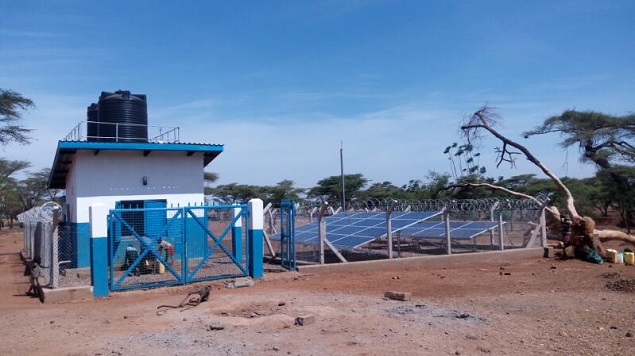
(153, 247)
(287, 234)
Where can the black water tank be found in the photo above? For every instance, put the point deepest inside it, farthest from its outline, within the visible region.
(123, 117)
(92, 125)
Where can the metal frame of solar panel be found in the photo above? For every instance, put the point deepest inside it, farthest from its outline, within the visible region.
(351, 230)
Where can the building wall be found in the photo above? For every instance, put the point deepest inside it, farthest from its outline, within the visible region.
(111, 176)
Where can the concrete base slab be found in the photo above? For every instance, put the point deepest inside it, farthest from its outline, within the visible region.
(79, 272)
(69, 294)
(445, 260)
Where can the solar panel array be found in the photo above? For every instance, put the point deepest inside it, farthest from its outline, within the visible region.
(351, 230)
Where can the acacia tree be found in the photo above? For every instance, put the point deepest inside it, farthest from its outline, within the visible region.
(584, 233)
(33, 191)
(283, 190)
(12, 104)
(9, 199)
(209, 178)
(606, 141)
(433, 188)
(235, 193)
(330, 189)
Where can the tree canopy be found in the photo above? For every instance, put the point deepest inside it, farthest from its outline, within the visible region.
(608, 142)
(602, 138)
(330, 189)
(12, 105)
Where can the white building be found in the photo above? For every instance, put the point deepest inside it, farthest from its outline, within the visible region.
(122, 171)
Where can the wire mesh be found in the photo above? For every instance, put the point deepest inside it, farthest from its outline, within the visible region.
(518, 228)
(40, 239)
(165, 246)
(145, 247)
(221, 234)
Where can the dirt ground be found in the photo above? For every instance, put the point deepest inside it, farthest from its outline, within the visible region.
(498, 306)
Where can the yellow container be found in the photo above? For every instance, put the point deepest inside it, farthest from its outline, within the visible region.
(161, 267)
(629, 258)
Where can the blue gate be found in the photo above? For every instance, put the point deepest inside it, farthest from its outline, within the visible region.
(151, 247)
(287, 234)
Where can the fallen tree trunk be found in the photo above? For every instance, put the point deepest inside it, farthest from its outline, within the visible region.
(614, 235)
(580, 226)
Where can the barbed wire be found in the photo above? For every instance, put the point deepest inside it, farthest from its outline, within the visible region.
(484, 204)
(43, 213)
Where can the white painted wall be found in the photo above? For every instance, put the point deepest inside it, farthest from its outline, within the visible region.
(174, 200)
(112, 176)
(71, 196)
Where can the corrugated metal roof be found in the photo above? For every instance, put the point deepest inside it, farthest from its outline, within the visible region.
(67, 149)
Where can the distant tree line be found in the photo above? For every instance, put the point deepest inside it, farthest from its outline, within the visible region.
(595, 195)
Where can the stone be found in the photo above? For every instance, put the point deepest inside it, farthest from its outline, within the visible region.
(402, 296)
(305, 320)
(240, 283)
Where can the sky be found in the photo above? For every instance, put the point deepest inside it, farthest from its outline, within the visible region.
(284, 85)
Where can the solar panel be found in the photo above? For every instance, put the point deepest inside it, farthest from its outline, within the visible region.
(466, 233)
(351, 230)
(425, 228)
(355, 241)
(458, 229)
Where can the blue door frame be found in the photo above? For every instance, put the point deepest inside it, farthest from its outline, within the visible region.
(287, 235)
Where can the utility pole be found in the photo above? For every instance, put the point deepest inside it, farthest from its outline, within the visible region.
(342, 175)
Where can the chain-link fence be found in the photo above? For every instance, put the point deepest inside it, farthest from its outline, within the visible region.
(40, 239)
(501, 224)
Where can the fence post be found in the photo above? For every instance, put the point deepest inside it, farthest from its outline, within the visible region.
(55, 261)
(501, 234)
(543, 227)
(98, 219)
(448, 238)
(237, 235)
(255, 238)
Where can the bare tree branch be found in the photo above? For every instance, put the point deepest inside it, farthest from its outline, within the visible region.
(481, 120)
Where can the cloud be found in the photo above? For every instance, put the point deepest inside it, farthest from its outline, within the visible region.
(395, 143)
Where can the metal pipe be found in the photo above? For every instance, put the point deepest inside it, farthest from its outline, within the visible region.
(342, 175)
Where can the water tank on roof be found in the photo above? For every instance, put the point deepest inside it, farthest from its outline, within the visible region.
(123, 117)
(92, 118)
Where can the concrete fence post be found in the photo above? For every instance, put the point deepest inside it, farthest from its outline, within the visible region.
(55, 261)
(237, 236)
(98, 221)
(448, 238)
(255, 238)
(501, 233)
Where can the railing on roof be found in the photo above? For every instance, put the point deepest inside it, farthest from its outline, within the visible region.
(157, 134)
